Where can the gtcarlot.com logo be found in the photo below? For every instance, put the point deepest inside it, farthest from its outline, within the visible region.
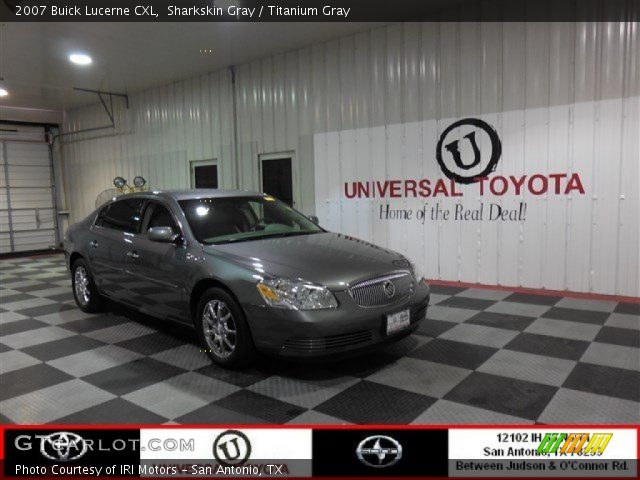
(68, 446)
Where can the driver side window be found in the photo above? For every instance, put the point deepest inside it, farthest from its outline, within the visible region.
(157, 215)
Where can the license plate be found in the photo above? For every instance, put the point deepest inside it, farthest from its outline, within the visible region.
(398, 321)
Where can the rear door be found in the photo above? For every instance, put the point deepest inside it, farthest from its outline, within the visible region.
(159, 270)
(110, 238)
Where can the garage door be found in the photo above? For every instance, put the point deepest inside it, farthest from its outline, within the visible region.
(27, 212)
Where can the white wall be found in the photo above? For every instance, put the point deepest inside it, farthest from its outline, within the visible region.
(569, 96)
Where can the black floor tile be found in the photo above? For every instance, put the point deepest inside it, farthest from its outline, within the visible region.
(90, 324)
(152, 343)
(574, 315)
(434, 328)
(619, 336)
(132, 376)
(534, 299)
(270, 409)
(548, 346)
(501, 320)
(62, 348)
(628, 308)
(446, 290)
(610, 381)
(20, 326)
(369, 402)
(61, 297)
(453, 353)
(4, 348)
(14, 297)
(46, 309)
(261, 369)
(466, 302)
(113, 411)
(29, 379)
(32, 288)
(505, 395)
(366, 365)
(215, 415)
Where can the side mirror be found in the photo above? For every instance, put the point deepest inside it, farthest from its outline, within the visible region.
(314, 219)
(162, 234)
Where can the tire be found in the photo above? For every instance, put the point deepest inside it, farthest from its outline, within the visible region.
(228, 342)
(85, 292)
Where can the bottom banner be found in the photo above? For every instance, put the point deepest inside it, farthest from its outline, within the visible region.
(299, 452)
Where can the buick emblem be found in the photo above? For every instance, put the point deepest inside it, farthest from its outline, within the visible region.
(379, 451)
(232, 447)
(63, 446)
(389, 288)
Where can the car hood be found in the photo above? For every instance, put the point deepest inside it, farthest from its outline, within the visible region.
(330, 259)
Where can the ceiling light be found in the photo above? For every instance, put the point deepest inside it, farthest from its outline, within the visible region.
(80, 59)
(3, 92)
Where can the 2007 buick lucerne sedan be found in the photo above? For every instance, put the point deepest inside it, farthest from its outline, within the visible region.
(247, 271)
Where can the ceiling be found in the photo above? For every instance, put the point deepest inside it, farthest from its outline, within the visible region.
(128, 57)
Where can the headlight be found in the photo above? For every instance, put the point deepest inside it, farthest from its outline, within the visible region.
(417, 272)
(296, 294)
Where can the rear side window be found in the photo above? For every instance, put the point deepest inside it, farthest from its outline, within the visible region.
(122, 215)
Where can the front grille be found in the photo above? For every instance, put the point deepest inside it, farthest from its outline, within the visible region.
(374, 292)
(328, 343)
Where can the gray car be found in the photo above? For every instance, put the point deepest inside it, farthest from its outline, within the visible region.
(247, 271)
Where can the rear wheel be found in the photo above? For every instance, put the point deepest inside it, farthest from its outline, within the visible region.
(85, 292)
(223, 329)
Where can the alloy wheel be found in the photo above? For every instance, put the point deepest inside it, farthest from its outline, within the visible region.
(81, 285)
(219, 328)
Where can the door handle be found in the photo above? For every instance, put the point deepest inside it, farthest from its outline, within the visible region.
(94, 243)
(133, 254)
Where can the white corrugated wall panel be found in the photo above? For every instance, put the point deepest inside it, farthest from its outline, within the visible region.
(563, 97)
(162, 131)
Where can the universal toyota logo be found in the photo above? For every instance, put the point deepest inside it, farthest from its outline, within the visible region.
(468, 149)
(389, 288)
(232, 447)
(63, 446)
(379, 451)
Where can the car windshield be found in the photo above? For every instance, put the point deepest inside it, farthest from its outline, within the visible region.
(234, 219)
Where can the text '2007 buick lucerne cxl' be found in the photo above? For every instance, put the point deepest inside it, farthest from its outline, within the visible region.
(247, 271)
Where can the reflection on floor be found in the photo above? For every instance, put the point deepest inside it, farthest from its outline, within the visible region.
(482, 356)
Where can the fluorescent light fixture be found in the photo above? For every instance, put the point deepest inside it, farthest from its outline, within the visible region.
(80, 59)
(3, 92)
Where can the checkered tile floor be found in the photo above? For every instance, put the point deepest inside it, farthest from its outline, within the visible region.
(482, 356)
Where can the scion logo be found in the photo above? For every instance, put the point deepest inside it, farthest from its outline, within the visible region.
(379, 451)
(463, 160)
(231, 447)
(63, 446)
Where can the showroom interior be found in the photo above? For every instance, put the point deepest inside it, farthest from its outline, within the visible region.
(501, 157)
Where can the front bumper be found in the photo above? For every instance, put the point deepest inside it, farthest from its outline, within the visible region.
(319, 333)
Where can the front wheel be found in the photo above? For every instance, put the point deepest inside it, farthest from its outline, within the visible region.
(85, 292)
(223, 329)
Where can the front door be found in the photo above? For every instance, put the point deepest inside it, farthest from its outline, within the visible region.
(109, 241)
(277, 178)
(159, 269)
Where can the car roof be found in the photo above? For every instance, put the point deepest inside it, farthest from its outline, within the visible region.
(189, 194)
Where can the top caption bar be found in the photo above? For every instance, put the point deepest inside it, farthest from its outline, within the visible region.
(316, 11)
